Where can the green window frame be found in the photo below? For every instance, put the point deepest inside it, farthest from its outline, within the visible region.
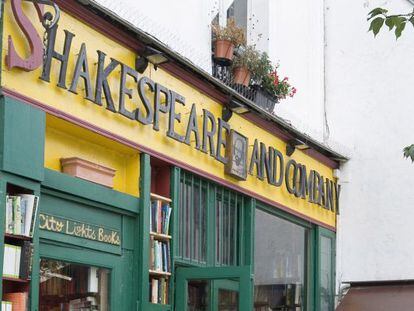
(325, 270)
(209, 223)
(309, 246)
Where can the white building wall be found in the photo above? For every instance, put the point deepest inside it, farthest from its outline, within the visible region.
(182, 25)
(370, 108)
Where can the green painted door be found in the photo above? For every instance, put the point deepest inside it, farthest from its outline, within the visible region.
(213, 289)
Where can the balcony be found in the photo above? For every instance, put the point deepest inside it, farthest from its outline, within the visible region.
(223, 72)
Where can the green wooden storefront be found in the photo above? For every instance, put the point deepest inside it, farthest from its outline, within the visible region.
(22, 137)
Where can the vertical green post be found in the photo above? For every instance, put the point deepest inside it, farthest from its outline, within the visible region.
(248, 255)
(2, 225)
(35, 279)
(142, 235)
(175, 193)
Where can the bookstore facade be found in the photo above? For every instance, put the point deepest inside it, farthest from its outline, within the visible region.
(127, 191)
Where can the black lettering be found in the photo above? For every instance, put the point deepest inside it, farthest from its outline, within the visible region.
(102, 82)
(147, 105)
(175, 98)
(208, 135)
(82, 71)
(126, 71)
(255, 161)
(159, 107)
(279, 155)
(291, 181)
(63, 58)
(192, 127)
(329, 194)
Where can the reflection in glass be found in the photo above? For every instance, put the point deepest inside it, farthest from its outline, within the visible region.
(280, 271)
(228, 300)
(198, 293)
(326, 276)
(66, 287)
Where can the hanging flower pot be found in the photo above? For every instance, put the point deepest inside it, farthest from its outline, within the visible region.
(241, 75)
(226, 38)
(223, 50)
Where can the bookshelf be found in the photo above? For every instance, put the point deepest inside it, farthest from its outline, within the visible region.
(19, 216)
(160, 249)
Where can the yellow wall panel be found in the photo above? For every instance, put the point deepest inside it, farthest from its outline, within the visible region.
(64, 140)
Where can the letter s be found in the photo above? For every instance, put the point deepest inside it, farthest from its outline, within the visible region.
(35, 59)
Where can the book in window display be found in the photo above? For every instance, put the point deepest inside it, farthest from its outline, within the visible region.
(159, 248)
(21, 214)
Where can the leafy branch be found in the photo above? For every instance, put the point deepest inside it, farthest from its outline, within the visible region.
(379, 17)
(409, 152)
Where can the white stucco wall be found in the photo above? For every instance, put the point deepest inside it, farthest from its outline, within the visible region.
(184, 25)
(370, 109)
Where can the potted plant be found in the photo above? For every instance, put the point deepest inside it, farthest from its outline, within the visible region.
(226, 39)
(272, 89)
(245, 64)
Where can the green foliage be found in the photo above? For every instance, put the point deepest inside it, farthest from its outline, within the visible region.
(249, 58)
(379, 17)
(409, 152)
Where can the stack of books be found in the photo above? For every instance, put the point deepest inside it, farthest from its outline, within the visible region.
(17, 262)
(160, 256)
(160, 217)
(159, 291)
(83, 304)
(21, 213)
(6, 306)
(15, 301)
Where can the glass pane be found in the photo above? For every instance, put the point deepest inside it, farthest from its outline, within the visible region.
(228, 300)
(326, 277)
(65, 287)
(198, 294)
(280, 264)
(227, 227)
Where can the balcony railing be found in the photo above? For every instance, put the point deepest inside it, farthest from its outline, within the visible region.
(251, 92)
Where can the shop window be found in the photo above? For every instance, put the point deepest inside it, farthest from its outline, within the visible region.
(208, 212)
(67, 286)
(280, 264)
(192, 219)
(227, 228)
(326, 270)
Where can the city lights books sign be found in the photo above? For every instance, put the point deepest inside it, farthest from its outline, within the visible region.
(210, 135)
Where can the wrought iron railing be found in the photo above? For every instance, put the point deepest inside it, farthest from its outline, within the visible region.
(225, 75)
(251, 92)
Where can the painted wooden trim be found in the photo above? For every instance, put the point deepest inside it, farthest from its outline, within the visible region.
(156, 154)
(90, 191)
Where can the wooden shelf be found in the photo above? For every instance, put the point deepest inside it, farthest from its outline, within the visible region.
(161, 198)
(159, 273)
(160, 236)
(17, 237)
(7, 279)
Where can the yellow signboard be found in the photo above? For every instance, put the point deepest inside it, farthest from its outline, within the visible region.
(89, 78)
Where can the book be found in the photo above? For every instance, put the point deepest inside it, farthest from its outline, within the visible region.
(21, 214)
(160, 217)
(154, 291)
(26, 261)
(19, 301)
(9, 215)
(6, 306)
(17, 215)
(11, 261)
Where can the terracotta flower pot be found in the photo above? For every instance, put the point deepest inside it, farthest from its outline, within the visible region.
(241, 76)
(88, 170)
(223, 50)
